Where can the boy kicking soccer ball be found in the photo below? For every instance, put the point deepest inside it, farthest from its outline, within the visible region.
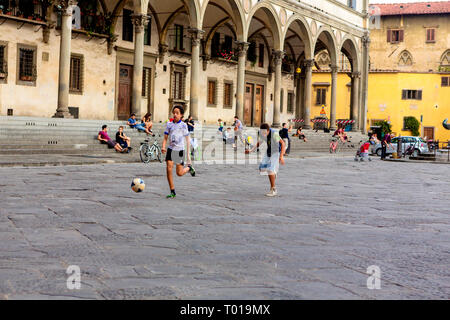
(178, 136)
(273, 157)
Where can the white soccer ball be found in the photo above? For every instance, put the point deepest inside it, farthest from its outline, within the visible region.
(138, 185)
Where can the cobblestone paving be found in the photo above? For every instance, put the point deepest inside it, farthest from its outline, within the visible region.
(221, 238)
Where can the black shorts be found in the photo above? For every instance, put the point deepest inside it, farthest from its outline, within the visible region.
(110, 143)
(175, 156)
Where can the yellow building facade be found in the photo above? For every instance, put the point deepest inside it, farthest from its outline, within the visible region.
(409, 70)
(385, 100)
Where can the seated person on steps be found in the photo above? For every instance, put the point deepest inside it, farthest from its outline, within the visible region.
(132, 122)
(104, 138)
(123, 140)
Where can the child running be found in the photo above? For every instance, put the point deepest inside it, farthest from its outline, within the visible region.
(273, 157)
(178, 135)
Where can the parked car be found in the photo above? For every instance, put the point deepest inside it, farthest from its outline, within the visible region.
(420, 146)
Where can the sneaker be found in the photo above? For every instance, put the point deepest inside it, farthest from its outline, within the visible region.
(272, 193)
(171, 196)
(192, 171)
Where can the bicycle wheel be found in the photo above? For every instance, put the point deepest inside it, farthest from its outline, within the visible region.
(158, 153)
(144, 153)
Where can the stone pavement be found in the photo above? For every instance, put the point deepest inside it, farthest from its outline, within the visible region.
(221, 238)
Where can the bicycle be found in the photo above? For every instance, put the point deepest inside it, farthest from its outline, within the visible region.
(150, 152)
(335, 145)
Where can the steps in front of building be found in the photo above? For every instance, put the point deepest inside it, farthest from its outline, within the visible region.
(29, 135)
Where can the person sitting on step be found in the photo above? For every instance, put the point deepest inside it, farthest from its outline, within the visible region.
(103, 137)
(132, 122)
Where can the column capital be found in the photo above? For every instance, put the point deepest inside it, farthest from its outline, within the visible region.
(242, 47)
(355, 75)
(139, 21)
(196, 35)
(309, 63)
(66, 6)
(334, 68)
(278, 56)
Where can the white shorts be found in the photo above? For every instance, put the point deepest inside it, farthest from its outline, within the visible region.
(270, 165)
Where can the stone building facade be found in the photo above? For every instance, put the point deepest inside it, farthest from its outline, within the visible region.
(104, 59)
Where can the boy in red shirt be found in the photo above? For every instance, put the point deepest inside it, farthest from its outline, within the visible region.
(363, 152)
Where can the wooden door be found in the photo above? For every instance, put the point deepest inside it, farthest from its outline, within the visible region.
(125, 83)
(428, 132)
(257, 112)
(248, 105)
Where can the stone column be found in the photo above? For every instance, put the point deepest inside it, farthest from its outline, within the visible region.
(365, 82)
(355, 99)
(242, 48)
(334, 78)
(308, 64)
(64, 59)
(277, 59)
(139, 22)
(196, 36)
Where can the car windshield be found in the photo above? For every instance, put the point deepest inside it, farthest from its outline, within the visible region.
(422, 139)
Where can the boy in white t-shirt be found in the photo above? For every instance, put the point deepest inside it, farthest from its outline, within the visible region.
(178, 136)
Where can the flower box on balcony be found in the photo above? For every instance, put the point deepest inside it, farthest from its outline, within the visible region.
(26, 78)
(2, 75)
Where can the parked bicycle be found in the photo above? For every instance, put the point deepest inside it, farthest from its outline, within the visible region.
(149, 152)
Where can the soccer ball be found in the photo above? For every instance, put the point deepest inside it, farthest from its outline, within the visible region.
(138, 185)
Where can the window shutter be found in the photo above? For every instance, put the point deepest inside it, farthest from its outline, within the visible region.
(400, 35)
(389, 33)
(404, 94)
(419, 94)
(432, 34)
(318, 97)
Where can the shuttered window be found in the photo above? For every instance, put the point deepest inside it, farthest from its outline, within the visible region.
(76, 74)
(445, 82)
(395, 35)
(146, 76)
(212, 92)
(227, 95)
(431, 35)
(321, 96)
(411, 94)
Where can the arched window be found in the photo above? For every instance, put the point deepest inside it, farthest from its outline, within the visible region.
(445, 59)
(405, 59)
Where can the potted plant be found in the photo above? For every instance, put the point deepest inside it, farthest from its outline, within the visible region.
(1, 9)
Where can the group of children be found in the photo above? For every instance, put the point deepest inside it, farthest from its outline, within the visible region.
(177, 140)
